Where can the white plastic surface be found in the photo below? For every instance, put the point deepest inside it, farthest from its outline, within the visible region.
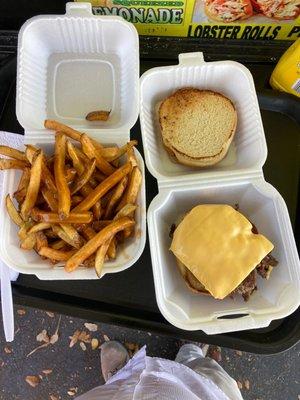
(69, 65)
(248, 151)
(275, 298)
(236, 179)
(7, 303)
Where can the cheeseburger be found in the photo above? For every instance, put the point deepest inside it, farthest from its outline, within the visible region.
(219, 252)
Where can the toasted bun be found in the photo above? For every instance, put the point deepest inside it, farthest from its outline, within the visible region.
(192, 283)
(197, 126)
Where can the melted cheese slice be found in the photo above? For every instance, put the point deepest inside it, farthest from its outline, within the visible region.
(215, 242)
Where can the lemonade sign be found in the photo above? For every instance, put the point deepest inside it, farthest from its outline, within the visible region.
(213, 19)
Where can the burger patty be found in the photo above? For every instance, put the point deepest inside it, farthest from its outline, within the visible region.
(264, 268)
(247, 287)
(266, 265)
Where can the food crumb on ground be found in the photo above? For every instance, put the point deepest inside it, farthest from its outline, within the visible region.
(7, 350)
(91, 327)
(106, 338)
(72, 391)
(43, 336)
(47, 371)
(94, 343)
(240, 385)
(83, 346)
(50, 314)
(32, 380)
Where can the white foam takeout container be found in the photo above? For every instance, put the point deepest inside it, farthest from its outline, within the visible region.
(237, 179)
(69, 65)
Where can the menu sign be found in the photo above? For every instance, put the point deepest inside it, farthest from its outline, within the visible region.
(212, 19)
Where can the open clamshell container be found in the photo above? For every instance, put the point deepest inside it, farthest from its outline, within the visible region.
(238, 178)
(69, 65)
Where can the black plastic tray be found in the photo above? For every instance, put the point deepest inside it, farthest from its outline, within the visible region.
(128, 298)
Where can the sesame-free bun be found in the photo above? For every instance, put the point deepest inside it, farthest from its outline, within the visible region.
(197, 126)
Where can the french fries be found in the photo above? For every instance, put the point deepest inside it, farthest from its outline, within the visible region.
(70, 132)
(92, 245)
(57, 255)
(76, 206)
(54, 218)
(33, 186)
(98, 177)
(132, 189)
(41, 241)
(72, 234)
(100, 257)
(84, 177)
(50, 198)
(122, 150)
(87, 232)
(70, 174)
(6, 163)
(112, 250)
(46, 177)
(28, 243)
(131, 156)
(76, 200)
(30, 152)
(103, 188)
(79, 163)
(59, 244)
(24, 181)
(58, 127)
(63, 191)
(59, 231)
(69, 230)
(12, 211)
(20, 194)
(116, 196)
(91, 152)
(97, 210)
(97, 115)
(12, 153)
(42, 226)
(98, 225)
(125, 211)
(109, 152)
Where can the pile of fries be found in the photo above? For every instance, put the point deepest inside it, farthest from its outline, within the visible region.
(77, 205)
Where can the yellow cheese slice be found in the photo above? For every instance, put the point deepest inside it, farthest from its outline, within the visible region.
(215, 242)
